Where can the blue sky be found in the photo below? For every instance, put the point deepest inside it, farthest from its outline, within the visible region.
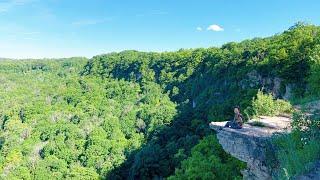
(64, 28)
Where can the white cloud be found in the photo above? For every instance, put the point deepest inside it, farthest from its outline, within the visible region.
(215, 27)
(199, 28)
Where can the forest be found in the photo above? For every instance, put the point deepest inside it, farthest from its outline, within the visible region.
(145, 115)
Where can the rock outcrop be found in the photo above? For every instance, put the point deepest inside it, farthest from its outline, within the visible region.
(251, 144)
(269, 84)
(288, 93)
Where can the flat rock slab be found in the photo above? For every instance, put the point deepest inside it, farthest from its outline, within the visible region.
(271, 125)
(251, 143)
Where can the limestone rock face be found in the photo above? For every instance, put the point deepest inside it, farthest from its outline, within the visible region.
(251, 143)
(288, 93)
(270, 84)
(276, 87)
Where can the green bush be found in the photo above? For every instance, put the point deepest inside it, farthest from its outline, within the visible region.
(264, 104)
(283, 106)
(296, 154)
(297, 151)
(209, 161)
(314, 78)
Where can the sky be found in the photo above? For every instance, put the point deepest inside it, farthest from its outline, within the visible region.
(67, 28)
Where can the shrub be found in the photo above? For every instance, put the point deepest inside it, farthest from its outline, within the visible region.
(283, 106)
(264, 104)
(209, 161)
(314, 78)
(297, 151)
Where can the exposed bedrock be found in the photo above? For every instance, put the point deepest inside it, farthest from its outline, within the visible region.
(251, 144)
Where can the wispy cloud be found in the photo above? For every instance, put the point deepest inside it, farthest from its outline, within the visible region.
(14, 28)
(31, 33)
(9, 4)
(4, 7)
(215, 27)
(13, 32)
(87, 22)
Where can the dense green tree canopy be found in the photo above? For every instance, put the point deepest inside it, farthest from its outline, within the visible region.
(141, 115)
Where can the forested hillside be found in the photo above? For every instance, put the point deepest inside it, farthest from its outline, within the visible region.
(140, 115)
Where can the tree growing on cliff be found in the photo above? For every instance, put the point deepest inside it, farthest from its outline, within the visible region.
(209, 161)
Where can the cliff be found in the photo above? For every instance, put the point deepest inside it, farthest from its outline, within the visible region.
(251, 143)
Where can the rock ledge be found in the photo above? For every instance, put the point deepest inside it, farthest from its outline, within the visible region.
(251, 143)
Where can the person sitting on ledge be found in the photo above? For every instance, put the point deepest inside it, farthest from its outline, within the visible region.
(237, 121)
